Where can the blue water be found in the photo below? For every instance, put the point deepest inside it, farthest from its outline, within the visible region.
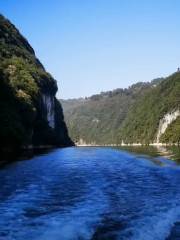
(89, 193)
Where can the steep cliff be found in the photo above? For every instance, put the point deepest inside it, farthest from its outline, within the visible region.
(165, 122)
(29, 111)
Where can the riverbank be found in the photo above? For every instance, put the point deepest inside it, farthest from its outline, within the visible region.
(12, 154)
(9, 155)
(126, 145)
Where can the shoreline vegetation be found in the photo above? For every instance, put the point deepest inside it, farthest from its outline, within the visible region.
(9, 155)
(128, 144)
(82, 143)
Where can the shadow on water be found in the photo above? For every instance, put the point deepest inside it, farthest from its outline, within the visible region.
(11, 157)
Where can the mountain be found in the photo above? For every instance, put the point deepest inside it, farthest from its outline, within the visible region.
(99, 119)
(29, 111)
(155, 117)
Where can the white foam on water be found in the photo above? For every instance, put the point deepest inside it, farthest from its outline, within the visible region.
(81, 218)
(78, 223)
(15, 204)
(12, 219)
(157, 227)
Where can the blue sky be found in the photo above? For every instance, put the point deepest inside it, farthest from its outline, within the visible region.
(91, 46)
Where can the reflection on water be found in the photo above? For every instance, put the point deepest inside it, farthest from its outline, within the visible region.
(169, 152)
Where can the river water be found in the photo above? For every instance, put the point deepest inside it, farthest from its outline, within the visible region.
(91, 193)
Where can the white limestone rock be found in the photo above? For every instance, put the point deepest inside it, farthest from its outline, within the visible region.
(49, 104)
(165, 121)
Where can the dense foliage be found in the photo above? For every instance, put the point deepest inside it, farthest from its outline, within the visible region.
(172, 134)
(23, 80)
(130, 115)
(98, 119)
(143, 119)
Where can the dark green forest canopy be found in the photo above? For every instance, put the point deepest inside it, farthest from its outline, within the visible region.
(130, 115)
(23, 80)
(101, 116)
(143, 119)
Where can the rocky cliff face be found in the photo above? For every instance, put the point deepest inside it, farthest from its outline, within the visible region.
(29, 111)
(165, 122)
(49, 105)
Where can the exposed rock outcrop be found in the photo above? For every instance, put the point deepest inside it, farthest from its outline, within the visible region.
(49, 105)
(165, 122)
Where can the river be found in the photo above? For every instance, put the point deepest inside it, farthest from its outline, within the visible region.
(91, 193)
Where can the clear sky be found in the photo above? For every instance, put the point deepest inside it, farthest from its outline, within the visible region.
(91, 46)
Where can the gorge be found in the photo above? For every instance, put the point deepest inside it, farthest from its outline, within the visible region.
(100, 192)
(168, 119)
(145, 113)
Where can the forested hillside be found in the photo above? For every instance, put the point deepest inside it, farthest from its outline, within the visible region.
(29, 112)
(99, 118)
(144, 113)
(143, 119)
